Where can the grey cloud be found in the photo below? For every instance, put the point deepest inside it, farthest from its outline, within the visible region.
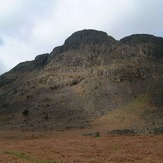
(21, 17)
(146, 18)
(31, 27)
(1, 41)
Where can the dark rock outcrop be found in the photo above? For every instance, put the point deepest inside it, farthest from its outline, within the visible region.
(40, 60)
(87, 38)
(148, 45)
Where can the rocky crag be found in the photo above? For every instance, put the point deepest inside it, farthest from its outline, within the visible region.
(91, 81)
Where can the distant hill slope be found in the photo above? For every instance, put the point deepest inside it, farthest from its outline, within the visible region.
(92, 80)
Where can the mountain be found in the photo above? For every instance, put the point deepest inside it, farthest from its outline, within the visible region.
(91, 81)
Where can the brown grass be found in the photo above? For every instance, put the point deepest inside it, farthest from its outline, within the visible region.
(71, 147)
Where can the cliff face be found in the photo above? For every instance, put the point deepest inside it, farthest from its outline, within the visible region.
(91, 77)
(146, 44)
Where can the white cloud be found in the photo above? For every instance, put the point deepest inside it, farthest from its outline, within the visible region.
(31, 27)
(1, 41)
(14, 52)
(2, 67)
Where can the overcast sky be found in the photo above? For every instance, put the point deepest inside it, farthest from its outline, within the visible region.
(32, 27)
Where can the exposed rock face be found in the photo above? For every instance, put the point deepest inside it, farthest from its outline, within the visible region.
(148, 45)
(41, 59)
(88, 38)
(89, 76)
(83, 47)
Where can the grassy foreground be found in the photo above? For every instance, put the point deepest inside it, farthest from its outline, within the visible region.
(71, 147)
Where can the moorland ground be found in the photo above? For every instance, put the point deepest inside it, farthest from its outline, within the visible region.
(72, 146)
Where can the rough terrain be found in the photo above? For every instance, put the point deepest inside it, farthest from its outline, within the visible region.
(72, 147)
(91, 81)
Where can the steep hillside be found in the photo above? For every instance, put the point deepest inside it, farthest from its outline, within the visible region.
(92, 80)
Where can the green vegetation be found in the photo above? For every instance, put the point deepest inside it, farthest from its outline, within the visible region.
(138, 103)
(93, 134)
(4, 118)
(127, 116)
(24, 156)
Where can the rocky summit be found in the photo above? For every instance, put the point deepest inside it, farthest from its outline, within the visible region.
(91, 81)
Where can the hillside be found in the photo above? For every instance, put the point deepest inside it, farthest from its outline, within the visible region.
(91, 81)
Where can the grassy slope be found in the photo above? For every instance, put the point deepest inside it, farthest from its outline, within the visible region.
(130, 115)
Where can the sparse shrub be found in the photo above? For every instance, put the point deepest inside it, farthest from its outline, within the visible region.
(122, 132)
(4, 105)
(96, 87)
(74, 82)
(46, 116)
(47, 105)
(4, 118)
(29, 97)
(47, 99)
(97, 134)
(93, 134)
(158, 130)
(54, 87)
(25, 112)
